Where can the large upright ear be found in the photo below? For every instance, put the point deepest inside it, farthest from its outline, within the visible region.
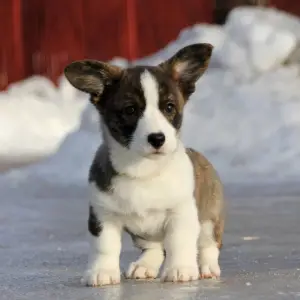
(188, 65)
(92, 76)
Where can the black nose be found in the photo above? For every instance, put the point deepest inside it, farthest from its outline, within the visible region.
(156, 140)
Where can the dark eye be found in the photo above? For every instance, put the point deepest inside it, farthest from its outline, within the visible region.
(129, 110)
(169, 108)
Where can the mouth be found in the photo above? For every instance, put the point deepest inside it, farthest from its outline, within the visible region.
(156, 153)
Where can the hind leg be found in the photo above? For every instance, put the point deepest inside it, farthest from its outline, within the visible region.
(148, 264)
(208, 252)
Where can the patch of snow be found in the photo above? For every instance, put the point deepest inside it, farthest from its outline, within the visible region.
(263, 43)
(35, 118)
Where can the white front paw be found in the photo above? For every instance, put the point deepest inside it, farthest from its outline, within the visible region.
(209, 263)
(210, 271)
(137, 270)
(100, 277)
(180, 274)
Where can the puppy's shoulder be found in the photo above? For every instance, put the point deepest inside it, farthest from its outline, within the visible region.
(200, 163)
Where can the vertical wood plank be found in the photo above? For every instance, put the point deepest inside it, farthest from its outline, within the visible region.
(105, 29)
(54, 35)
(131, 28)
(11, 46)
(159, 22)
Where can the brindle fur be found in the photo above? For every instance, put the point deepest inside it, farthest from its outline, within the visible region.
(208, 193)
(94, 225)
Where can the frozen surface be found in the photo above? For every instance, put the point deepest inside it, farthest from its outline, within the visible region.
(43, 247)
(245, 116)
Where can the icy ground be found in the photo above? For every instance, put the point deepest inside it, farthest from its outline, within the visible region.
(43, 248)
(245, 116)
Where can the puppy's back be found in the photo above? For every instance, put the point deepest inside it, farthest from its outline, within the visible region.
(208, 193)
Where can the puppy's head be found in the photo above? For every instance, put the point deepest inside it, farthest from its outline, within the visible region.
(142, 106)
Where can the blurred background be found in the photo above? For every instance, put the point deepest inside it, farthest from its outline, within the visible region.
(245, 108)
(244, 115)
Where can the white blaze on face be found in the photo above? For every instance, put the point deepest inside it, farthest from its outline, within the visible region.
(152, 120)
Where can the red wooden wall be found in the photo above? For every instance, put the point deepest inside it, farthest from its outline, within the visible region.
(42, 36)
(11, 45)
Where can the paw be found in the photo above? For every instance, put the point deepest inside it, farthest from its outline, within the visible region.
(209, 265)
(180, 274)
(139, 271)
(100, 277)
(210, 271)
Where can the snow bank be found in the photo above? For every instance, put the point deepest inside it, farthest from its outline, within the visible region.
(251, 42)
(35, 118)
(245, 114)
(263, 42)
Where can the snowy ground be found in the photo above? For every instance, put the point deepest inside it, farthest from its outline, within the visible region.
(245, 116)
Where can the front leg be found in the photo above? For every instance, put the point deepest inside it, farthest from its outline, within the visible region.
(182, 231)
(105, 247)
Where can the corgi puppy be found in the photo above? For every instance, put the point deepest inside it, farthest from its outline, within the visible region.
(142, 179)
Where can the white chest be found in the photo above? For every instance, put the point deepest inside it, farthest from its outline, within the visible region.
(143, 205)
